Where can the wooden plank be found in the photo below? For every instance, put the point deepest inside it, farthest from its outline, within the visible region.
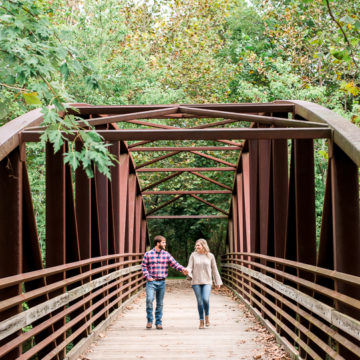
(229, 332)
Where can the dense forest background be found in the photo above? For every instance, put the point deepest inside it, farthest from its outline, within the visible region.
(170, 51)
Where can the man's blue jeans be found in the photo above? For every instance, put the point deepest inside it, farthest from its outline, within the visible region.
(202, 293)
(155, 288)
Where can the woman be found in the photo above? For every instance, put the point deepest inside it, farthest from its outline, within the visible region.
(202, 269)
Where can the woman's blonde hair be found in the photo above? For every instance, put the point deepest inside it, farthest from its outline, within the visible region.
(204, 245)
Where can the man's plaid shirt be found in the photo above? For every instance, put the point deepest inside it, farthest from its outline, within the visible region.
(155, 264)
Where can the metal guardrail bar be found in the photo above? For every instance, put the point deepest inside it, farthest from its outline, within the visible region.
(331, 274)
(294, 307)
(99, 295)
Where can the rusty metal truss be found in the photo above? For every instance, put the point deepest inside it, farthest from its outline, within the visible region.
(305, 288)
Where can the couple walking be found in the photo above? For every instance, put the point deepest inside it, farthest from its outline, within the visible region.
(201, 269)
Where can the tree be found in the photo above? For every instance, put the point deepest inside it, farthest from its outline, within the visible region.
(35, 68)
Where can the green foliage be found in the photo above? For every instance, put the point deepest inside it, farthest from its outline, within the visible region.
(142, 52)
(35, 65)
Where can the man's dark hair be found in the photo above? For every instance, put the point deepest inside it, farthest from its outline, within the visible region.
(158, 238)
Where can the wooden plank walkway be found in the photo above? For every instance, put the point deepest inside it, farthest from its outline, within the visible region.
(234, 333)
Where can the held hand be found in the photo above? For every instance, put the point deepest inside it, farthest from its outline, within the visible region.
(218, 287)
(185, 271)
(150, 279)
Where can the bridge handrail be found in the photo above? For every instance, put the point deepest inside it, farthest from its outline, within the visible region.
(88, 300)
(37, 274)
(265, 292)
(331, 274)
(346, 135)
(334, 295)
(10, 133)
(8, 303)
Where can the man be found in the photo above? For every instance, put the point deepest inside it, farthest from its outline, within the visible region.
(155, 267)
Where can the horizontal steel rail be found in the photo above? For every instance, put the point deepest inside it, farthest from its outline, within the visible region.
(94, 295)
(199, 134)
(290, 303)
(346, 135)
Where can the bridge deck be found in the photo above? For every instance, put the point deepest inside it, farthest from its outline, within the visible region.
(234, 334)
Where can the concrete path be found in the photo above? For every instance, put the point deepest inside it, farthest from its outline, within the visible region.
(233, 334)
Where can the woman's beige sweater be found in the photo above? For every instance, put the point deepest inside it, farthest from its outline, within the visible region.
(203, 270)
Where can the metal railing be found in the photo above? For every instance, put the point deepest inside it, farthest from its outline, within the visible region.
(299, 302)
(62, 305)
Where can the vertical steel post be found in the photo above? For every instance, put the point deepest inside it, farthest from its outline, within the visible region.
(101, 186)
(240, 211)
(115, 190)
(254, 193)
(346, 228)
(55, 220)
(280, 181)
(131, 213)
(265, 183)
(11, 231)
(246, 180)
(235, 222)
(124, 175)
(138, 223)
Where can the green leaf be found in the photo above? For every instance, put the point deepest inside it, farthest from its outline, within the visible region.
(64, 69)
(31, 98)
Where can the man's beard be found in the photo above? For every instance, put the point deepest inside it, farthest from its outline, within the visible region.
(162, 247)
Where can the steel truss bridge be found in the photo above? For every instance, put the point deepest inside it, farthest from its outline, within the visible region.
(304, 288)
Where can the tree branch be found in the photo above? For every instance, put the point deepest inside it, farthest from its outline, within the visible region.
(344, 34)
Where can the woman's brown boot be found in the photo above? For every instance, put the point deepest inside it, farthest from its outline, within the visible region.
(207, 321)
(201, 326)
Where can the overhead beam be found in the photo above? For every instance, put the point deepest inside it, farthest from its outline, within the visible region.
(210, 180)
(157, 159)
(185, 148)
(185, 192)
(271, 120)
(126, 109)
(164, 204)
(154, 125)
(186, 169)
(162, 180)
(124, 117)
(228, 142)
(213, 158)
(209, 204)
(199, 134)
(183, 217)
(139, 144)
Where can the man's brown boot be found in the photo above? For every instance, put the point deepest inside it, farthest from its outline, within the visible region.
(148, 326)
(207, 321)
(201, 326)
